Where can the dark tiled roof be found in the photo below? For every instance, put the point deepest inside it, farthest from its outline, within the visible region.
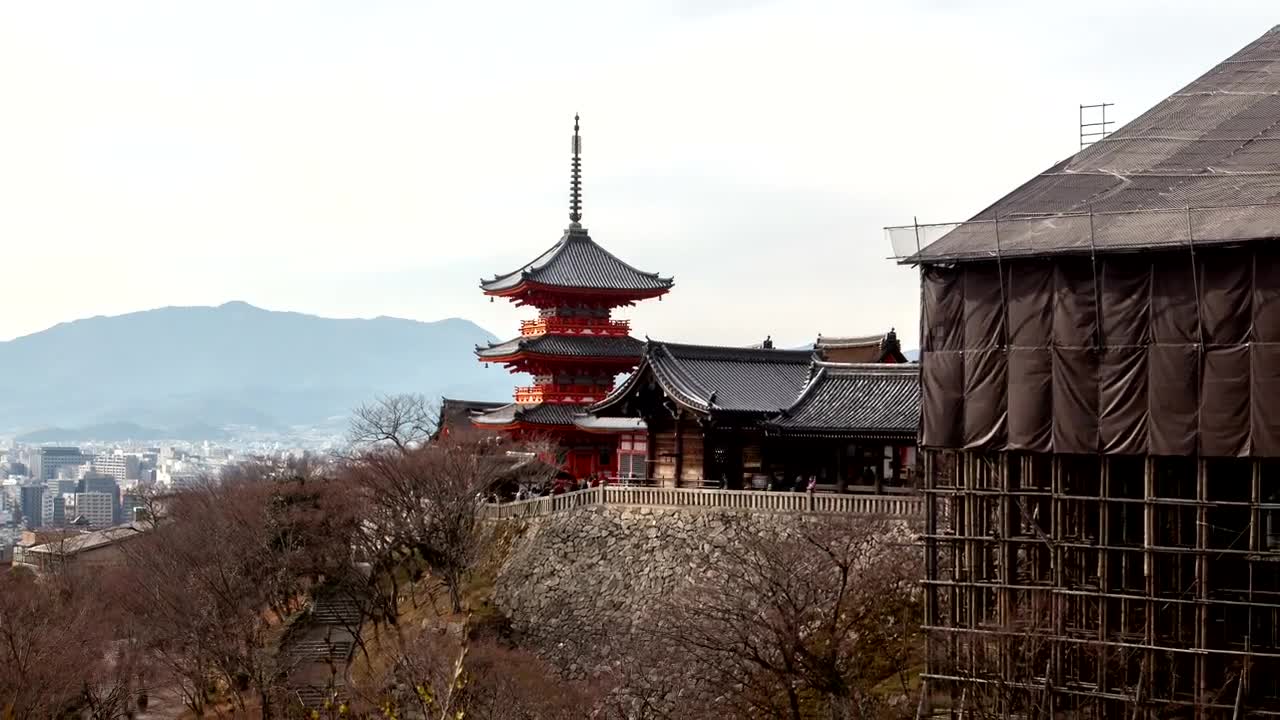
(855, 399)
(826, 341)
(535, 414)
(604, 346)
(454, 413)
(867, 349)
(577, 262)
(1213, 145)
(708, 378)
(461, 408)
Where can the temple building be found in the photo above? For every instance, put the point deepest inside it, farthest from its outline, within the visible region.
(454, 415)
(853, 426)
(841, 412)
(702, 405)
(574, 348)
(765, 418)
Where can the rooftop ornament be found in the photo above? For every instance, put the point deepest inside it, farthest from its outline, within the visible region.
(575, 183)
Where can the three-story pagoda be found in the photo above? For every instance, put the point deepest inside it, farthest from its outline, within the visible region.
(574, 348)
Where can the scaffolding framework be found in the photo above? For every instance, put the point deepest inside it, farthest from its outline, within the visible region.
(1098, 126)
(1103, 586)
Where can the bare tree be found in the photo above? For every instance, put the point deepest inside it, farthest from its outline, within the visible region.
(424, 503)
(211, 586)
(58, 650)
(402, 421)
(436, 674)
(809, 624)
(1007, 671)
(1004, 674)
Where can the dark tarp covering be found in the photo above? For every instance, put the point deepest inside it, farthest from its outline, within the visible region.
(1157, 354)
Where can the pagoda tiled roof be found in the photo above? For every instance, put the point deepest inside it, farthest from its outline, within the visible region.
(530, 414)
(711, 378)
(578, 263)
(855, 399)
(578, 346)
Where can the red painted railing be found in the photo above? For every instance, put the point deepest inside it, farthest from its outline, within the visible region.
(575, 326)
(576, 394)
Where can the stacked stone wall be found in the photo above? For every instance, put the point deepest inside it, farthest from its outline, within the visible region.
(578, 581)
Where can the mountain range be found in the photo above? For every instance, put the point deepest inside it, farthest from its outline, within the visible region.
(187, 370)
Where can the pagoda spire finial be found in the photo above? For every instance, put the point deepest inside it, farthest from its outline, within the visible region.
(575, 184)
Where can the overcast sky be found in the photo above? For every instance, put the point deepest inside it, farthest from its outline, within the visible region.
(355, 159)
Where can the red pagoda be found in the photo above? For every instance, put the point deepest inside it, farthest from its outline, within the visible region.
(574, 349)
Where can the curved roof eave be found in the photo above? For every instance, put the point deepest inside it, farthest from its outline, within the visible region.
(622, 390)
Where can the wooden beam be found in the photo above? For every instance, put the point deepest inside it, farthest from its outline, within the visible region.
(679, 447)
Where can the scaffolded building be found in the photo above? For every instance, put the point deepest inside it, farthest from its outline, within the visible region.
(1100, 381)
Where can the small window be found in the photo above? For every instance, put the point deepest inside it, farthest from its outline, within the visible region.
(632, 466)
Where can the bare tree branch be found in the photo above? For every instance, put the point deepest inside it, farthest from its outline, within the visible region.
(402, 421)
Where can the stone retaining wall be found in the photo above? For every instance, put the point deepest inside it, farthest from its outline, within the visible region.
(576, 581)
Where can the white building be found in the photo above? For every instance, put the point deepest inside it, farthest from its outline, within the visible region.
(53, 509)
(177, 476)
(97, 508)
(118, 465)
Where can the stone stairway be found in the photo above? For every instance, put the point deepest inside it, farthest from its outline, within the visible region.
(335, 609)
(320, 649)
(325, 650)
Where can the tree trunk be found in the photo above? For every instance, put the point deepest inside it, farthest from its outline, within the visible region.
(455, 592)
(793, 700)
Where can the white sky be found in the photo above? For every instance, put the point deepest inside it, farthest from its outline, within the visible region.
(354, 159)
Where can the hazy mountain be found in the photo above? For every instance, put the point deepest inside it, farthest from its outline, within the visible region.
(179, 367)
(124, 431)
(108, 432)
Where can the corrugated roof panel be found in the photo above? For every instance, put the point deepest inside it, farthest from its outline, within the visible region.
(1213, 144)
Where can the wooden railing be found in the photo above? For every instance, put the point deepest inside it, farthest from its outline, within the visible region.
(899, 506)
(554, 393)
(575, 326)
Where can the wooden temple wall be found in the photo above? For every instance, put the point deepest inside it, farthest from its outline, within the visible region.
(664, 463)
(691, 472)
(677, 452)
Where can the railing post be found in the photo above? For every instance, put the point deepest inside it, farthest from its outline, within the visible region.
(905, 506)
